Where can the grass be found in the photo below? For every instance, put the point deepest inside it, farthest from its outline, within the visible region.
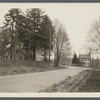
(92, 84)
(5, 71)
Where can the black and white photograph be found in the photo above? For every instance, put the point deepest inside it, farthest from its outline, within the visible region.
(50, 48)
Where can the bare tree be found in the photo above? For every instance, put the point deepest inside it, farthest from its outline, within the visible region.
(61, 42)
(94, 36)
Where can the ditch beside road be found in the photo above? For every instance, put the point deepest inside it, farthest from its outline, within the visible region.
(71, 83)
(92, 84)
(85, 81)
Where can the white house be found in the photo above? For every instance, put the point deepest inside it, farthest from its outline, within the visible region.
(85, 59)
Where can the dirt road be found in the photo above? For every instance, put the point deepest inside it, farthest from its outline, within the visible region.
(36, 81)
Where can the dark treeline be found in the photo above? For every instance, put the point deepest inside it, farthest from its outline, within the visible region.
(31, 30)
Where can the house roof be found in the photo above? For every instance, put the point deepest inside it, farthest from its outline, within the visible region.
(66, 59)
(84, 56)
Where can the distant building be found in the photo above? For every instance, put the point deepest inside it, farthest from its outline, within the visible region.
(39, 56)
(85, 59)
(20, 55)
(66, 61)
(69, 61)
(52, 56)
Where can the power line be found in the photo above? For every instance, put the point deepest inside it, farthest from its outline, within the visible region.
(29, 37)
(28, 31)
(31, 32)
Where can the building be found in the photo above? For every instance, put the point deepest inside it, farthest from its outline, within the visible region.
(85, 59)
(66, 61)
(39, 56)
(69, 61)
(20, 54)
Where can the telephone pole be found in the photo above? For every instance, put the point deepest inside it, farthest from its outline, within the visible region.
(11, 38)
(50, 47)
(29, 45)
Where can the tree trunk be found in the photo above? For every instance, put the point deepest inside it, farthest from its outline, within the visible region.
(45, 59)
(57, 60)
(34, 54)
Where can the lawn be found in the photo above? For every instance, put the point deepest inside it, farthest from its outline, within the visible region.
(4, 71)
(14, 67)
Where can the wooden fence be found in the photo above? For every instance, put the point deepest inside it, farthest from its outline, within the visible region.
(15, 63)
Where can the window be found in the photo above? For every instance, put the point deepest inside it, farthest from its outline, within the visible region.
(87, 59)
(16, 51)
(20, 58)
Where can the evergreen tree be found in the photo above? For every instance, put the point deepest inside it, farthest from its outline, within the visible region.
(46, 28)
(75, 59)
(40, 24)
(31, 28)
(8, 31)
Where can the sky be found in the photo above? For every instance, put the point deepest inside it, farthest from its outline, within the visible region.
(77, 18)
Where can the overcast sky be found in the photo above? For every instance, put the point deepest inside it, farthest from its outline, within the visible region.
(76, 17)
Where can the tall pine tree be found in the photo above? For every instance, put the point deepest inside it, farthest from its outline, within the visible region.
(75, 59)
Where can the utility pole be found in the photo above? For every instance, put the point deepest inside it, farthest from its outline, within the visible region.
(11, 38)
(16, 34)
(49, 46)
(16, 41)
(29, 46)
